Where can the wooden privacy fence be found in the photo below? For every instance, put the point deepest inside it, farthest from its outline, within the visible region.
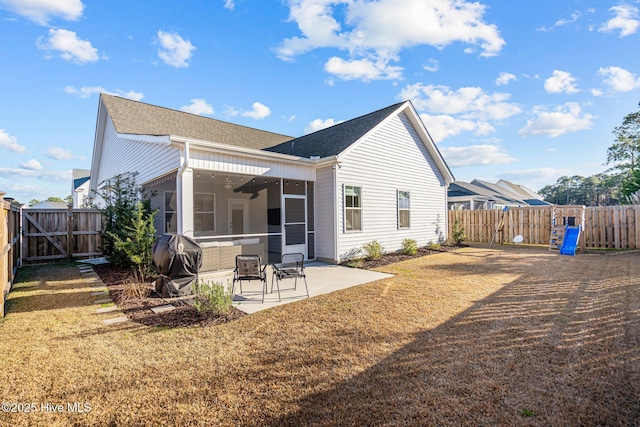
(614, 227)
(9, 246)
(60, 234)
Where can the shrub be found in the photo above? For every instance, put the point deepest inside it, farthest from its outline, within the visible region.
(354, 258)
(373, 250)
(135, 289)
(434, 246)
(409, 246)
(457, 232)
(212, 297)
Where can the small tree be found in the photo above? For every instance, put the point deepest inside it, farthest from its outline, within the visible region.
(457, 232)
(128, 218)
(136, 246)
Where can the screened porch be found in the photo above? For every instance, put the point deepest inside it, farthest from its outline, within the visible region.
(237, 214)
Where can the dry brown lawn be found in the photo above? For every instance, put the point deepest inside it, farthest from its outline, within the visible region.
(478, 336)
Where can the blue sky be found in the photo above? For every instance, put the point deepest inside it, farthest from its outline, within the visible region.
(519, 90)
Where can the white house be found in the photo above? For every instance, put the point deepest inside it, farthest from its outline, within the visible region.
(80, 187)
(242, 190)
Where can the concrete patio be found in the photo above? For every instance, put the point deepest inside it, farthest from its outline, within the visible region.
(321, 279)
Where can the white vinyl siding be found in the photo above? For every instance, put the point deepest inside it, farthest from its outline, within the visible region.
(392, 158)
(121, 156)
(325, 195)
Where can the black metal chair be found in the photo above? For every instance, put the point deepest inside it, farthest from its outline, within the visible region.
(291, 267)
(249, 267)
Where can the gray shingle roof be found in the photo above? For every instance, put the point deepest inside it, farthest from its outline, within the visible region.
(335, 139)
(138, 118)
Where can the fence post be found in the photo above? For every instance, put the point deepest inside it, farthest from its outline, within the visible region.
(69, 232)
(4, 274)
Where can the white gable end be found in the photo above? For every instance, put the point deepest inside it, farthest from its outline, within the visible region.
(393, 158)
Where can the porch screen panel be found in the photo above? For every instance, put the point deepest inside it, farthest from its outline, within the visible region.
(310, 206)
(294, 211)
(295, 234)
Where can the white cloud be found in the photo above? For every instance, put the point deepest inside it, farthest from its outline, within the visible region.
(561, 82)
(626, 19)
(175, 51)
(563, 119)
(32, 164)
(87, 91)
(198, 106)
(468, 102)
(505, 78)
(476, 155)
(54, 176)
(564, 21)
(42, 11)
(619, 79)
(69, 46)
(536, 178)
(441, 127)
(58, 153)
(374, 32)
(10, 143)
(229, 4)
(259, 111)
(319, 124)
(432, 65)
(362, 69)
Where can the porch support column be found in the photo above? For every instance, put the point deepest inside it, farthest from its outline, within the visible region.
(185, 202)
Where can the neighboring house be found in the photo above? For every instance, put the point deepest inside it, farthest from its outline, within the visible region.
(50, 205)
(480, 194)
(242, 190)
(80, 187)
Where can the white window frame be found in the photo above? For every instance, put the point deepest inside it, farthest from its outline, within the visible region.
(165, 212)
(351, 208)
(195, 196)
(403, 209)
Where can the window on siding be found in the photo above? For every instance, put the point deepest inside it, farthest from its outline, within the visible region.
(352, 208)
(170, 213)
(404, 209)
(204, 213)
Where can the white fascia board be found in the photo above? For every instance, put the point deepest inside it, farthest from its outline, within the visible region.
(154, 139)
(101, 121)
(241, 151)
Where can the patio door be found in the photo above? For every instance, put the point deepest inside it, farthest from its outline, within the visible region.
(238, 216)
(294, 234)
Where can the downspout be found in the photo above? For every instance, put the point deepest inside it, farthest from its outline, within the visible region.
(183, 167)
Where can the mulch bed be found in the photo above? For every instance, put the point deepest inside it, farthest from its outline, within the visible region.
(393, 257)
(185, 315)
(139, 309)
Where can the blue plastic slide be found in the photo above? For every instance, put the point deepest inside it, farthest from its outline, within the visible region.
(570, 242)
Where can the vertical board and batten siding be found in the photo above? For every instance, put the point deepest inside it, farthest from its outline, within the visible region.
(121, 156)
(392, 159)
(325, 195)
(236, 164)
